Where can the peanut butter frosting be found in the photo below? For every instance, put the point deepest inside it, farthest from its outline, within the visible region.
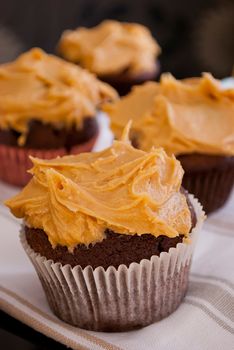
(44, 87)
(75, 198)
(111, 48)
(189, 116)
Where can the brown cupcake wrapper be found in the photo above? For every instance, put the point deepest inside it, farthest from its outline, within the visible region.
(117, 299)
(15, 162)
(211, 187)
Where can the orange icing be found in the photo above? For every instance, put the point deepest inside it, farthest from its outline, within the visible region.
(46, 88)
(75, 198)
(111, 47)
(191, 116)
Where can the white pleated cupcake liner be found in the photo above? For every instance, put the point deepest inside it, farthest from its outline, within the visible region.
(118, 299)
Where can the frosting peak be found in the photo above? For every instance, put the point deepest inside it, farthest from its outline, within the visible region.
(75, 198)
(47, 88)
(188, 116)
(111, 47)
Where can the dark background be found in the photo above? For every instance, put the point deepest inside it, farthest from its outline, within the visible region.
(195, 35)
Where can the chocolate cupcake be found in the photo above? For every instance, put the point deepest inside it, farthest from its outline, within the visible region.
(121, 54)
(48, 108)
(193, 119)
(111, 235)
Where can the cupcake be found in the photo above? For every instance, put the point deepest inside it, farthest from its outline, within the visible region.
(121, 54)
(193, 119)
(48, 108)
(111, 235)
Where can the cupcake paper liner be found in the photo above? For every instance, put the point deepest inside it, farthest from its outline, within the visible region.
(211, 187)
(14, 161)
(118, 299)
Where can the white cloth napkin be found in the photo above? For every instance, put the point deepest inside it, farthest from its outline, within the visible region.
(205, 320)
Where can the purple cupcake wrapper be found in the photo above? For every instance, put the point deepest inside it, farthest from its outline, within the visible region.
(118, 299)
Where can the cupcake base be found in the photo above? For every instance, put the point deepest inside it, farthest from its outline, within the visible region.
(15, 162)
(117, 299)
(115, 249)
(123, 316)
(48, 136)
(209, 178)
(123, 82)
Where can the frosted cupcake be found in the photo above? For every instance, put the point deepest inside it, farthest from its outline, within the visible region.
(122, 54)
(48, 108)
(193, 119)
(111, 235)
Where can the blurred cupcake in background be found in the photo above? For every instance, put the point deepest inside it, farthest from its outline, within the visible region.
(121, 54)
(48, 108)
(10, 44)
(193, 119)
(213, 39)
(111, 235)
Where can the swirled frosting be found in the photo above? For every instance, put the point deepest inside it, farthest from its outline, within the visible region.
(191, 116)
(75, 198)
(46, 88)
(111, 48)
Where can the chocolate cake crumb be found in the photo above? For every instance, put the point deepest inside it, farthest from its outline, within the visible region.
(123, 82)
(114, 250)
(47, 136)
